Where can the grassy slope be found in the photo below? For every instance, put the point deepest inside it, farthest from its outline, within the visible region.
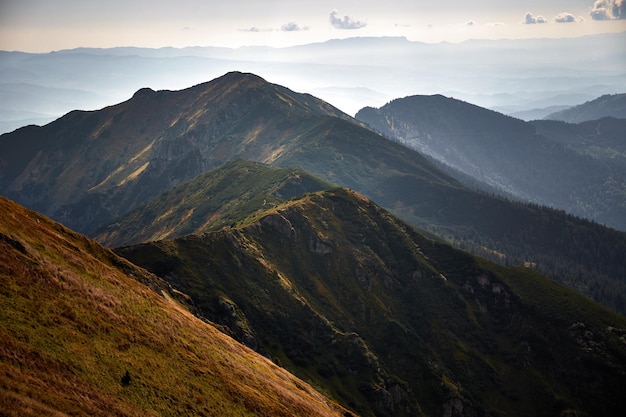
(392, 323)
(75, 318)
(90, 170)
(210, 201)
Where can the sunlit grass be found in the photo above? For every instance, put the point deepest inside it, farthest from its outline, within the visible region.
(79, 337)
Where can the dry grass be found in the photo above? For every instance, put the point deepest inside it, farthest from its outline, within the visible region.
(72, 324)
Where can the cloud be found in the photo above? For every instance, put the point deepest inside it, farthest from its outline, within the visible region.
(255, 29)
(293, 27)
(470, 23)
(529, 19)
(608, 10)
(347, 22)
(567, 18)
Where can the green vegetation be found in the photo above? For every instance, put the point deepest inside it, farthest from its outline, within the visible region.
(579, 168)
(94, 167)
(389, 322)
(216, 199)
(84, 332)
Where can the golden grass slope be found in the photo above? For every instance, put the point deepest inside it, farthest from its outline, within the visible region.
(80, 334)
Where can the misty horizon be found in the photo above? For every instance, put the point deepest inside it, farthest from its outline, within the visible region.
(509, 76)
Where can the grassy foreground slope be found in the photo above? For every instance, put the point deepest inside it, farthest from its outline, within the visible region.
(82, 334)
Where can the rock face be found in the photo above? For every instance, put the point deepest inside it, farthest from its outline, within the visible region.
(392, 323)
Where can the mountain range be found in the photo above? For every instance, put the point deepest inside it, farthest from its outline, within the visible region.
(392, 323)
(610, 105)
(510, 156)
(227, 194)
(510, 76)
(87, 169)
(330, 286)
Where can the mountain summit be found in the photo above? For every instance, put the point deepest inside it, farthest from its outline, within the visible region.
(87, 168)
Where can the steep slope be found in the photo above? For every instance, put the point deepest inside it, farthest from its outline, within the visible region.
(87, 168)
(609, 105)
(82, 334)
(212, 200)
(505, 153)
(602, 139)
(584, 255)
(392, 323)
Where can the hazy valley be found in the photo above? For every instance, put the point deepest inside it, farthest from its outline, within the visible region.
(510, 76)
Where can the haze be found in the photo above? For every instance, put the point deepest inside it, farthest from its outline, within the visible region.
(42, 26)
(510, 56)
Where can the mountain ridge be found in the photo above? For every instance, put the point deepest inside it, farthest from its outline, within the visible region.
(153, 120)
(104, 163)
(210, 201)
(608, 105)
(505, 153)
(86, 333)
(351, 298)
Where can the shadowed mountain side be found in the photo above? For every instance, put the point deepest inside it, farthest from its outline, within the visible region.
(87, 168)
(389, 322)
(602, 139)
(85, 333)
(505, 153)
(584, 255)
(609, 105)
(213, 200)
(90, 168)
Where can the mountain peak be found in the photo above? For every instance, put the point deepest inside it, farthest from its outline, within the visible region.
(143, 92)
(237, 79)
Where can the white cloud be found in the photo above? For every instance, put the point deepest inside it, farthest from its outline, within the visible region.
(529, 19)
(346, 22)
(608, 10)
(293, 27)
(567, 18)
(256, 29)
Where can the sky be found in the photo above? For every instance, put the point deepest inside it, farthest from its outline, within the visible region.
(45, 25)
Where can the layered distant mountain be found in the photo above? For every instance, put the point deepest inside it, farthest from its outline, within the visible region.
(89, 168)
(610, 105)
(389, 322)
(507, 154)
(510, 75)
(86, 333)
(602, 139)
